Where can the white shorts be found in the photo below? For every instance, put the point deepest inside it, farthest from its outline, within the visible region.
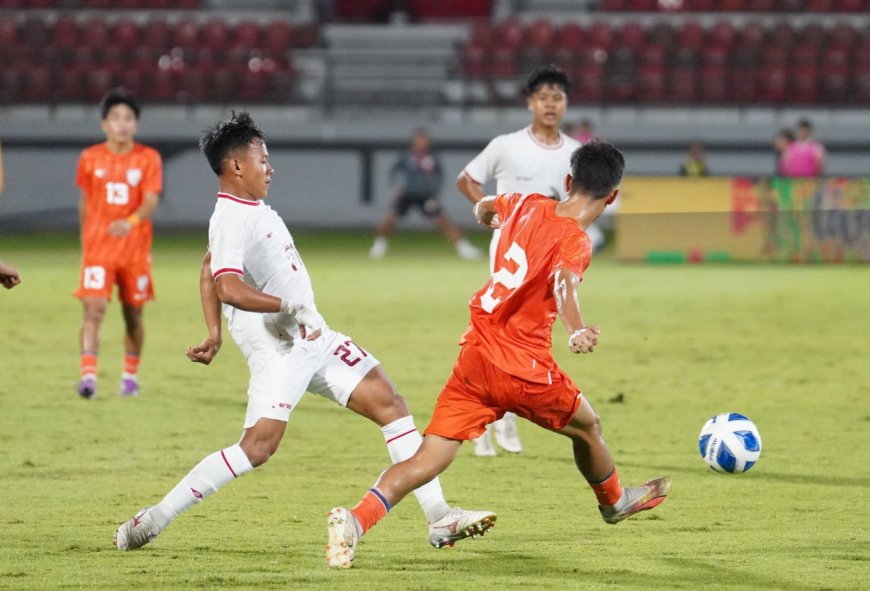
(282, 370)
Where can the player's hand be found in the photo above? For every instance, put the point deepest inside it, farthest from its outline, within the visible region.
(120, 228)
(9, 276)
(584, 340)
(204, 352)
(311, 323)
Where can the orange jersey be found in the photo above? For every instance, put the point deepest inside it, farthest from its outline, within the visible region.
(512, 315)
(114, 186)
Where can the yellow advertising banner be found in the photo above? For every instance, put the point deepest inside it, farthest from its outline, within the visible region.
(719, 219)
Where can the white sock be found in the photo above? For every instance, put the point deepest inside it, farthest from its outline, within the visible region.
(380, 241)
(204, 480)
(403, 440)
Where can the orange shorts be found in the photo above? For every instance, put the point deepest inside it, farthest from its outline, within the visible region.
(478, 393)
(133, 279)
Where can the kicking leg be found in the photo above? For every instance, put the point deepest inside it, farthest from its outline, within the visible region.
(256, 446)
(594, 461)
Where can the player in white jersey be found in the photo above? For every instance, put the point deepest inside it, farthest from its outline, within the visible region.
(535, 159)
(255, 273)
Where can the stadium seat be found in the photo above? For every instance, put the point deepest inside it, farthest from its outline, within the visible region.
(852, 6)
(95, 34)
(502, 62)
(540, 35)
(277, 38)
(631, 34)
(65, 34)
(731, 5)
(653, 54)
(762, 5)
(510, 33)
(742, 84)
(125, 35)
(721, 35)
(651, 83)
(213, 34)
(714, 83)
(185, 34)
(803, 84)
(772, 84)
(805, 55)
(691, 35)
(475, 60)
(683, 85)
(600, 36)
(820, 5)
(588, 83)
(834, 84)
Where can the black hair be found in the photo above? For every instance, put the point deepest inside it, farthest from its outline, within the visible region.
(786, 133)
(118, 96)
(217, 142)
(550, 75)
(596, 169)
(805, 123)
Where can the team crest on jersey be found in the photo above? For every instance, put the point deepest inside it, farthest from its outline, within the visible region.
(134, 175)
(100, 173)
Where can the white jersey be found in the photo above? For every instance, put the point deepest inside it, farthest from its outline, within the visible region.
(250, 239)
(521, 164)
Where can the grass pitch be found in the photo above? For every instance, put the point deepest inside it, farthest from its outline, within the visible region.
(785, 345)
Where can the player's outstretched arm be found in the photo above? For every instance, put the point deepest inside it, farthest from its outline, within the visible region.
(9, 276)
(486, 213)
(582, 338)
(469, 188)
(208, 349)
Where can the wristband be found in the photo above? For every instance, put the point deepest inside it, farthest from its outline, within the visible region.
(133, 219)
(287, 307)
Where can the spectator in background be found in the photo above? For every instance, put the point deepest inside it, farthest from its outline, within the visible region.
(806, 141)
(795, 159)
(782, 142)
(582, 131)
(416, 178)
(9, 276)
(695, 165)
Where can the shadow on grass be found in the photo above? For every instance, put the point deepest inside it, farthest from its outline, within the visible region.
(820, 480)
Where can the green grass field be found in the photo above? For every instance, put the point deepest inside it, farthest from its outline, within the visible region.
(785, 345)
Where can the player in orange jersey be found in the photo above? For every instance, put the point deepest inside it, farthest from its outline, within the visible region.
(506, 362)
(120, 182)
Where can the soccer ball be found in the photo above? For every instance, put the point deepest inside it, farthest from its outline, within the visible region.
(730, 443)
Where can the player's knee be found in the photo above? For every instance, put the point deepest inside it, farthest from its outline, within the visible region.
(259, 451)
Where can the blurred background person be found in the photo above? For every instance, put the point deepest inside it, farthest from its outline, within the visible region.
(416, 178)
(815, 151)
(582, 131)
(695, 164)
(120, 182)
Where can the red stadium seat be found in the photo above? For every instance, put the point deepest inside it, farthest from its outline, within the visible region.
(762, 5)
(714, 84)
(510, 33)
(475, 60)
(70, 86)
(805, 55)
(65, 35)
(842, 35)
(661, 33)
(721, 35)
(482, 34)
(653, 55)
(600, 36)
(214, 35)
(95, 34)
(772, 84)
(185, 34)
(277, 38)
(540, 35)
(691, 35)
(125, 35)
(246, 34)
(502, 62)
(813, 34)
(631, 34)
(699, 5)
(804, 84)
(742, 84)
(752, 34)
(852, 5)
(834, 84)
(731, 5)
(791, 5)
(651, 83)
(570, 39)
(683, 85)
(37, 85)
(588, 84)
(781, 35)
(820, 5)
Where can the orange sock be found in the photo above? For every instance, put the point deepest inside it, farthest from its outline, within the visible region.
(131, 364)
(371, 508)
(609, 490)
(88, 364)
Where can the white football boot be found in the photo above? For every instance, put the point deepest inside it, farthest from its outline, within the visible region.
(506, 435)
(137, 532)
(636, 499)
(342, 538)
(458, 524)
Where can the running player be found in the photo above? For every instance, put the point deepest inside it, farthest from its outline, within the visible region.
(506, 361)
(120, 182)
(254, 269)
(534, 159)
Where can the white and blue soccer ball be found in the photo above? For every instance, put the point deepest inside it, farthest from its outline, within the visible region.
(730, 442)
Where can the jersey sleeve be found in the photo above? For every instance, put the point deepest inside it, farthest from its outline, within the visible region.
(152, 181)
(573, 253)
(82, 171)
(483, 167)
(226, 241)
